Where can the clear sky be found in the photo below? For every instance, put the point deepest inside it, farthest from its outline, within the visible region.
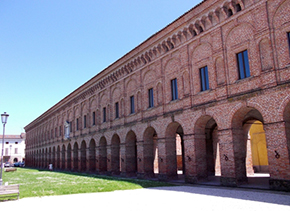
(48, 48)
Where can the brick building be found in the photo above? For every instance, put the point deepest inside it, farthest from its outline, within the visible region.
(182, 101)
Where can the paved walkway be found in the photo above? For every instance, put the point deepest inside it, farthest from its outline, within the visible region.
(162, 198)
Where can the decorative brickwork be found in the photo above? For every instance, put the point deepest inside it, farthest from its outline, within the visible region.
(213, 125)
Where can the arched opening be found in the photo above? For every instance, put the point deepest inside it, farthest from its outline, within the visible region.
(63, 157)
(238, 8)
(115, 155)
(103, 155)
(174, 150)
(131, 154)
(58, 157)
(150, 152)
(257, 157)
(250, 148)
(207, 155)
(53, 161)
(49, 158)
(69, 160)
(92, 156)
(83, 156)
(43, 157)
(230, 12)
(76, 157)
(15, 160)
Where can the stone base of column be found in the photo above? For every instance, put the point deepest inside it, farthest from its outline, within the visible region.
(166, 177)
(191, 179)
(228, 181)
(278, 184)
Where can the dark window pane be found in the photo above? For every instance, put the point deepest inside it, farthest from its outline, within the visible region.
(132, 105)
(117, 110)
(151, 98)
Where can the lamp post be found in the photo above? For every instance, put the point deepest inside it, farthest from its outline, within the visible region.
(4, 118)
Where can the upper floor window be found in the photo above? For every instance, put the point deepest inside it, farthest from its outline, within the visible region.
(104, 114)
(150, 98)
(94, 118)
(85, 121)
(174, 92)
(243, 64)
(77, 124)
(117, 110)
(288, 37)
(60, 130)
(204, 83)
(71, 126)
(132, 105)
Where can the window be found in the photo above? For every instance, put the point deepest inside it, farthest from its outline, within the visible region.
(243, 64)
(77, 124)
(6, 142)
(104, 114)
(174, 92)
(85, 121)
(16, 151)
(71, 126)
(132, 105)
(60, 130)
(55, 132)
(94, 118)
(151, 98)
(288, 36)
(16, 142)
(204, 78)
(6, 151)
(117, 110)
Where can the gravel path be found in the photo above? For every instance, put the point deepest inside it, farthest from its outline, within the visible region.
(164, 198)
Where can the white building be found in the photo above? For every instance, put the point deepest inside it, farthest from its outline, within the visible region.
(14, 148)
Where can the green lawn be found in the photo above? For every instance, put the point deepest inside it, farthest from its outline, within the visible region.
(36, 183)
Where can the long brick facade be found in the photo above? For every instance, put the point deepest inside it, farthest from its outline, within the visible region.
(199, 83)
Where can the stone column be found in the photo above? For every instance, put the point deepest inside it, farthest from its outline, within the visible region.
(227, 158)
(123, 160)
(140, 160)
(167, 158)
(191, 174)
(278, 156)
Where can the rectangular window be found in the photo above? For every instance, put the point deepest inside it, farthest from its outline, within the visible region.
(16, 151)
(85, 121)
(55, 132)
(243, 64)
(204, 78)
(151, 98)
(104, 115)
(117, 110)
(174, 92)
(132, 105)
(77, 124)
(60, 130)
(71, 127)
(6, 151)
(288, 37)
(94, 118)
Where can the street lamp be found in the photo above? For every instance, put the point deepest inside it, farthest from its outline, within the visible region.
(4, 118)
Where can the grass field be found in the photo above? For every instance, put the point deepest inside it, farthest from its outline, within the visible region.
(37, 183)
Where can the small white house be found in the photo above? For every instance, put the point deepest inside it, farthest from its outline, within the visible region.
(14, 148)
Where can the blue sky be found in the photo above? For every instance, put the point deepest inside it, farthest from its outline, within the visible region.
(48, 48)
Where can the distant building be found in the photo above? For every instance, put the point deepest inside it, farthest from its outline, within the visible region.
(14, 148)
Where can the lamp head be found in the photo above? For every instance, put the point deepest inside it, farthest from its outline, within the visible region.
(4, 118)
